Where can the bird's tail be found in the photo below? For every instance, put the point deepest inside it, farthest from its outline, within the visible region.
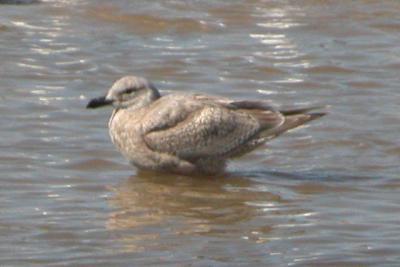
(293, 118)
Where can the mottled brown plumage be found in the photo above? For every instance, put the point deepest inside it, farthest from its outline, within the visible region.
(189, 133)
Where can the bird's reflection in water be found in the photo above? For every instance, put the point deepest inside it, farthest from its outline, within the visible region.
(151, 207)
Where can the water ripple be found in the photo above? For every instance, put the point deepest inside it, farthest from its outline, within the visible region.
(311, 197)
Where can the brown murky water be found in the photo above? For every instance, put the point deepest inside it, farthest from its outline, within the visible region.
(327, 195)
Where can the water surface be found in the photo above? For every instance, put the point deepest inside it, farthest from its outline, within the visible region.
(325, 195)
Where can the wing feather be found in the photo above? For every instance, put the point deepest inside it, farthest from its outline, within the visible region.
(203, 126)
(210, 131)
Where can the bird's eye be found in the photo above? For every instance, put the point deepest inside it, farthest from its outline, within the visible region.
(129, 90)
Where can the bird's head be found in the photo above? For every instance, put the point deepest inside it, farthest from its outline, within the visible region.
(127, 92)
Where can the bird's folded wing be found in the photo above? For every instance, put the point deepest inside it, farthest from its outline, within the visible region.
(236, 104)
(210, 130)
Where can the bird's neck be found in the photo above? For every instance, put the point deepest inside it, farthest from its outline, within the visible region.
(151, 95)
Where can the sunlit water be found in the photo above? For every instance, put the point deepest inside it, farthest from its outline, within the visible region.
(325, 195)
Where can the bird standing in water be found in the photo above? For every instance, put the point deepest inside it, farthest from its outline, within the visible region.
(189, 133)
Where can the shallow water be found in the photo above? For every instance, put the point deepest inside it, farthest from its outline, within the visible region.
(325, 195)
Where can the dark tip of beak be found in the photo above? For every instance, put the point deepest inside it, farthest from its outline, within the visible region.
(98, 102)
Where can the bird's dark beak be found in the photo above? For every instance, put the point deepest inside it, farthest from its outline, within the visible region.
(98, 102)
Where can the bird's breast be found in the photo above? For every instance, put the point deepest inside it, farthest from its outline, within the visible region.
(124, 130)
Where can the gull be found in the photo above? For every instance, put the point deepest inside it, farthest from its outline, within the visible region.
(189, 133)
